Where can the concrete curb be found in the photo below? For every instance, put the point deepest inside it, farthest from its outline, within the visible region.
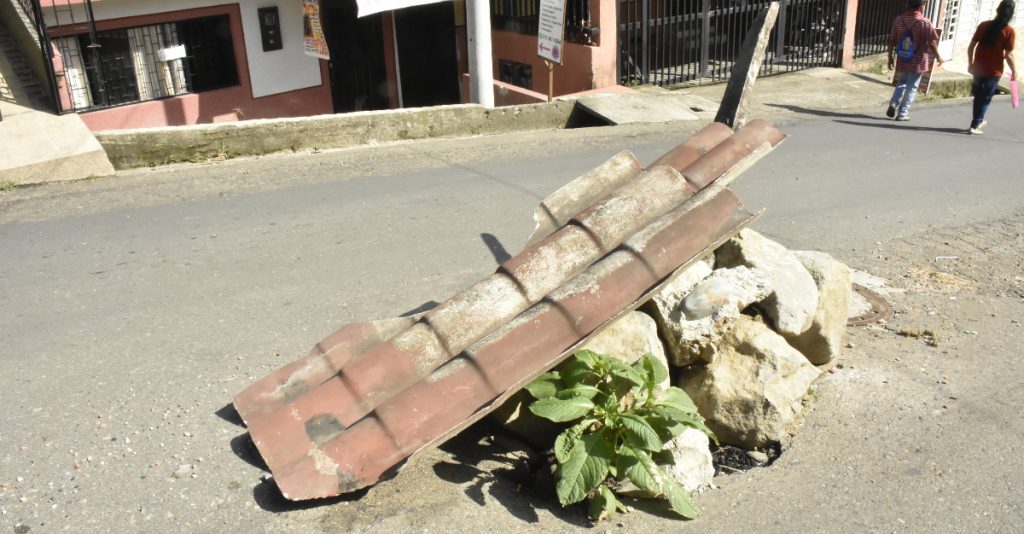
(157, 146)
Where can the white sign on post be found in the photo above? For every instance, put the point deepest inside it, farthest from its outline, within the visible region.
(550, 29)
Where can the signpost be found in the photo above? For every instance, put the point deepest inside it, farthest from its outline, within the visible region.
(550, 32)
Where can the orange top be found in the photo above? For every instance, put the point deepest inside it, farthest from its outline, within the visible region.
(988, 60)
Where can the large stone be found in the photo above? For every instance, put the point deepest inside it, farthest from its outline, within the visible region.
(628, 339)
(823, 340)
(693, 468)
(751, 392)
(735, 288)
(692, 331)
(794, 298)
(666, 305)
(666, 308)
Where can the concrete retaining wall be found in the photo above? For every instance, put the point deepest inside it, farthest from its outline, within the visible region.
(157, 146)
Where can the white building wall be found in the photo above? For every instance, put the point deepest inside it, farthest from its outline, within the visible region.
(273, 72)
(974, 12)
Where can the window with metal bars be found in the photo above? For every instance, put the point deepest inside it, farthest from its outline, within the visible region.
(521, 16)
(143, 63)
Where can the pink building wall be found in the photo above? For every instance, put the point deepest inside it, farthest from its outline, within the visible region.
(584, 67)
(220, 105)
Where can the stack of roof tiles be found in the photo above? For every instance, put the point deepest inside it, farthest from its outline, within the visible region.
(372, 394)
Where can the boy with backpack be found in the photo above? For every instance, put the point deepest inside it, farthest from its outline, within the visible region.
(914, 43)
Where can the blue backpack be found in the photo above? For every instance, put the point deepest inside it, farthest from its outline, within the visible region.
(905, 46)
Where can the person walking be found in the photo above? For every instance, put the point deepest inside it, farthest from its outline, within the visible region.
(914, 42)
(992, 43)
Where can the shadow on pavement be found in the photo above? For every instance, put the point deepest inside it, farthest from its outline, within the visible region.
(871, 78)
(498, 250)
(828, 113)
(229, 414)
(894, 125)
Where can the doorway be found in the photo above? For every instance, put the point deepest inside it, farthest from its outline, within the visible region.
(358, 76)
(427, 57)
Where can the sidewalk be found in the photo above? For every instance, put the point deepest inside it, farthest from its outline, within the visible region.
(809, 92)
(781, 97)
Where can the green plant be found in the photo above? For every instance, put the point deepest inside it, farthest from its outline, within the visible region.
(620, 423)
(7, 185)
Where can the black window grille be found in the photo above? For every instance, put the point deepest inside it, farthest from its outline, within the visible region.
(211, 54)
(521, 16)
(143, 63)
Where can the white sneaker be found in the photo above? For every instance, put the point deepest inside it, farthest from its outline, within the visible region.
(982, 125)
(975, 131)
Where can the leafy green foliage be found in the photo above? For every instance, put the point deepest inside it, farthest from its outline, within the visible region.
(620, 424)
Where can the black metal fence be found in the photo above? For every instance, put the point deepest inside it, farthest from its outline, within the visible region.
(666, 42)
(521, 16)
(874, 22)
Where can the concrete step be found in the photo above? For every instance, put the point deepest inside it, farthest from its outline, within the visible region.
(39, 146)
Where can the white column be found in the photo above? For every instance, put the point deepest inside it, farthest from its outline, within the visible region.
(478, 30)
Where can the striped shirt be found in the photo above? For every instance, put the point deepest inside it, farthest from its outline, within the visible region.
(923, 33)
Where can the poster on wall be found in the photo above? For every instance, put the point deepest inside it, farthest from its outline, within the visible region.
(550, 30)
(312, 31)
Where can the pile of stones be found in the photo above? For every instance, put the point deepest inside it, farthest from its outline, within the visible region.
(744, 332)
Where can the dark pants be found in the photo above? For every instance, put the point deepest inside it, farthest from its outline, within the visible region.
(983, 89)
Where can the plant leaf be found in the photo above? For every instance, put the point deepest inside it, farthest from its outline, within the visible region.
(562, 410)
(639, 433)
(623, 371)
(654, 371)
(575, 372)
(603, 505)
(568, 438)
(588, 357)
(545, 385)
(676, 398)
(586, 467)
(679, 499)
(641, 470)
(579, 390)
(667, 427)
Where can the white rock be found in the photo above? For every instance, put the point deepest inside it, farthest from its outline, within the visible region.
(737, 287)
(628, 339)
(694, 468)
(693, 329)
(751, 393)
(823, 340)
(794, 297)
(667, 301)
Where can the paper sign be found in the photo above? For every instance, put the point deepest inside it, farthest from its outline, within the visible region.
(171, 53)
(550, 29)
(314, 43)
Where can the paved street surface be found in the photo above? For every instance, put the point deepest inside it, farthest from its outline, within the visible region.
(133, 308)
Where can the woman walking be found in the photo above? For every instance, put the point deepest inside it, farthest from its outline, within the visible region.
(992, 43)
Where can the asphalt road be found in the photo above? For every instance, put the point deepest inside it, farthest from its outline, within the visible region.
(133, 308)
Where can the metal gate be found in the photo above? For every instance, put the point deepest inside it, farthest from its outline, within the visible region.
(874, 21)
(665, 42)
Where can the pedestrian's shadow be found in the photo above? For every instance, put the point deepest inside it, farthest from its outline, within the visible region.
(893, 125)
(827, 113)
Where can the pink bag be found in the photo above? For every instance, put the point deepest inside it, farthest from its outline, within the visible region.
(1014, 94)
